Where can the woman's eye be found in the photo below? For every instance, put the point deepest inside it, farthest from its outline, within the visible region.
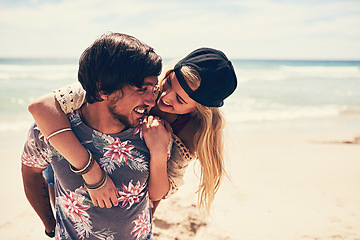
(168, 81)
(179, 101)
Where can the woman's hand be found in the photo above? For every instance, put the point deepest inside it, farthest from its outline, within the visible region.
(156, 134)
(106, 196)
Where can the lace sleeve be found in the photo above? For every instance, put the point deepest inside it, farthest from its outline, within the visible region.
(71, 97)
(177, 165)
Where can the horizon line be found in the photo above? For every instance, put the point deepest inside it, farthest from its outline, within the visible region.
(172, 58)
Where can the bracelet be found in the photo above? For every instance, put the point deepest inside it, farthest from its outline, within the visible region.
(57, 132)
(50, 234)
(99, 184)
(85, 169)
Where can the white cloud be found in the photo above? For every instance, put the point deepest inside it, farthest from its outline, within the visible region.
(245, 29)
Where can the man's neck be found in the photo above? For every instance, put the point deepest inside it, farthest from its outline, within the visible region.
(98, 117)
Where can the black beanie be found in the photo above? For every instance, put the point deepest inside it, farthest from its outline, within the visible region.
(218, 79)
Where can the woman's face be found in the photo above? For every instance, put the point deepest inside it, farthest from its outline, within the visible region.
(173, 98)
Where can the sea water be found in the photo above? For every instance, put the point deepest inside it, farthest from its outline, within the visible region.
(23, 80)
(268, 90)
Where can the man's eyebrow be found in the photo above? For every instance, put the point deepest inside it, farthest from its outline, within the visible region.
(149, 84)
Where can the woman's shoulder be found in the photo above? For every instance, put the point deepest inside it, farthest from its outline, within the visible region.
(182, 149)
(70, 97)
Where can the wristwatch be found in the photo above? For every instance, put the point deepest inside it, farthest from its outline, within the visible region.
(50, 234)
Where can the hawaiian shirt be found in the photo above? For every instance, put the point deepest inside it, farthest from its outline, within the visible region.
(125, 158)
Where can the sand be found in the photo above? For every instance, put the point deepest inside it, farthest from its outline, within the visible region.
(287, 182)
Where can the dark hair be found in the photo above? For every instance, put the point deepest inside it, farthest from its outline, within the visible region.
(113, 61)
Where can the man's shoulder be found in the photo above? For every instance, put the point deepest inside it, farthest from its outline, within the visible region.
(74, 118)
(35, 134)
(37, 150)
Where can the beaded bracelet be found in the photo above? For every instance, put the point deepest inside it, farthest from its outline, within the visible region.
(87, 168)
(99, 184)
(57, 132)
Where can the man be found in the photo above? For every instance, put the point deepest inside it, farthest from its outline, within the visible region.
(118, 73)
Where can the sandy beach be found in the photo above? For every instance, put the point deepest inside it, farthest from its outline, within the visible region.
(292, 138)
(287, 182)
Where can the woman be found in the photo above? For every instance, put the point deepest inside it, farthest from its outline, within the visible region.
(189, 99)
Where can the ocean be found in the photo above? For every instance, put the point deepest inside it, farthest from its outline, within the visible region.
(269, 91)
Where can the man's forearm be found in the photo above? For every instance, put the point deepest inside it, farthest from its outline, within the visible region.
(37, 193)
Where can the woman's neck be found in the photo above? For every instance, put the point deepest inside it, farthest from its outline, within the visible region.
(169, 117)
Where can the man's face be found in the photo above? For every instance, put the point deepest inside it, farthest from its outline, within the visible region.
(129, 104)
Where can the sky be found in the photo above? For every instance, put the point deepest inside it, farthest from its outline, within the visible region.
(243, 29)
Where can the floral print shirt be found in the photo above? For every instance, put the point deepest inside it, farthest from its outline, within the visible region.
(125, 158)
(72, 97)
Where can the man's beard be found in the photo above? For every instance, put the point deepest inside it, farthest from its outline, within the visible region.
(121, 118)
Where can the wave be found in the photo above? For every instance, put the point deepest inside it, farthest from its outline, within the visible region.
(317, 69)
(323, 71)
(38, 72)
(15, 123)
(37, 68)
(53, 76)
(287, 72)
(255, 111)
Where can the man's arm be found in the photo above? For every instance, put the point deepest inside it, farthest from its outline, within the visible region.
(37, 193)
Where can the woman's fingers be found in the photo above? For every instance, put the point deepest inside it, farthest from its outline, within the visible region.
(149, 121)
(106, 196)
(115, 198)
(101, 204)
(108, 203)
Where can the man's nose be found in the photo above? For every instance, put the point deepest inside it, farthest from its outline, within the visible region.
(150, 99)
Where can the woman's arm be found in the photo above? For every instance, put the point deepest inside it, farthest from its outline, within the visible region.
(157, 136)
(50, 118)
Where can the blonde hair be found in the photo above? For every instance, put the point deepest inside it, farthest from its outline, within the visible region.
(208, 142)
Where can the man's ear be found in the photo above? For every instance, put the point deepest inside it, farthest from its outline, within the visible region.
(101, 93)
(103, 96)
(113, 97)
